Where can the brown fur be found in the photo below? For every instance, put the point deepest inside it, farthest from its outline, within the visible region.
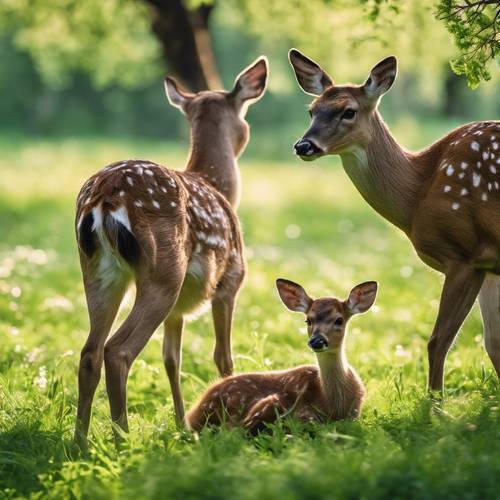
(176, 235)
(446, 198)
(330, 391)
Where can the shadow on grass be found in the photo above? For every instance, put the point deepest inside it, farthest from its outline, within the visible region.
(26, 454)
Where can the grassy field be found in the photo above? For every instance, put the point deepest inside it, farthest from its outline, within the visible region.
(302, 222)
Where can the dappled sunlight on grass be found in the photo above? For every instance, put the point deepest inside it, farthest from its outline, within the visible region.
(303, 222)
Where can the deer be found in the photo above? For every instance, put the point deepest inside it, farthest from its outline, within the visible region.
(445, 198)
(330, 390)
(175, 235)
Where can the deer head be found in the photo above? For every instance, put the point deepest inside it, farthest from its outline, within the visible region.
(215, 109)
(327, 318)
(340, 114)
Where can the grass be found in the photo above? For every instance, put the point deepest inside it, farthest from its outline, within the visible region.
(302, 222)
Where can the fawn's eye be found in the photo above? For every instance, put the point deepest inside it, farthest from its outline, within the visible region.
(308, 322)
(348, 114)
(339, 322)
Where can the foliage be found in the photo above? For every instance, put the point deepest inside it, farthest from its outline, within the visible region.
(112, 41)
(475, 26)
(317, 231)
(109, 40)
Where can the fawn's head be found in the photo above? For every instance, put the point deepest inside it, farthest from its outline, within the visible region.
(212, 109)
(326, 318)
(340, 114)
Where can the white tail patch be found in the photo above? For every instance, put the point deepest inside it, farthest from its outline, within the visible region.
(111, 267)
(121, 215)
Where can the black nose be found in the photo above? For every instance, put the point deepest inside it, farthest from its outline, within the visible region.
(317, 342)
(305, 147)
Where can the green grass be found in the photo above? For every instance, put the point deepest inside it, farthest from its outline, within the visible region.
(400, 448)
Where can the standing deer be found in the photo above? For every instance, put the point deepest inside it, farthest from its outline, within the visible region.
(175, 234)
(446, 198)
(332, 392)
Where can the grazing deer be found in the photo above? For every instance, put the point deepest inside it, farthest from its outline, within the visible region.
(175, 234)
(332, 392)
(446, 198)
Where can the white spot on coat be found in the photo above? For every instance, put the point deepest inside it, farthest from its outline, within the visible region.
(464, 192)
(447, 189)
(156, 204)
(474, 145)
(450, 170)
(464, 165)
(455, 206)
(476, 179)
(484, 197)
(130, 181)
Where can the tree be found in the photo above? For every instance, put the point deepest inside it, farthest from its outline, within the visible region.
(111, 40)
(475, 29)
(185, 41)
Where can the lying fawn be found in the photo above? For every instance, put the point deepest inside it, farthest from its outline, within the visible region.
(446, 197)
(175, 234)
(332, 392)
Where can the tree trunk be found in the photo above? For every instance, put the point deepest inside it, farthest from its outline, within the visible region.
(186, 43)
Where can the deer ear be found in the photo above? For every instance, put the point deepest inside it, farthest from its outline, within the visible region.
(177, 96)
(251, 83)
(311, 77)
(381, 78)
(362, 297)
(293, 296)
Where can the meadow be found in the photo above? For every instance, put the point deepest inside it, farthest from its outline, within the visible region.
(304, 222)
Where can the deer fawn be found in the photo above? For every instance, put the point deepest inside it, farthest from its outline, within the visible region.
(446, 198)
(175, 234)
(332, 392)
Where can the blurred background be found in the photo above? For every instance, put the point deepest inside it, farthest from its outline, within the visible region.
(81, 86)
(94, 68)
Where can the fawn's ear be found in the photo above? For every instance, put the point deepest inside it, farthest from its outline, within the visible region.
(362, 297)
(293, 296)
(381, 78)
(311, 77)
(251, 83)
(176, 95)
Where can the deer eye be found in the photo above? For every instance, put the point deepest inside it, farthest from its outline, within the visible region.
(348, 114)
(308, 322)
(339, 322)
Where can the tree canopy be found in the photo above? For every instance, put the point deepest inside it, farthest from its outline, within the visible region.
(114, 41)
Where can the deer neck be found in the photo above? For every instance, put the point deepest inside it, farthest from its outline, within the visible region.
(384, 174)
(212, 157)
(334, 373)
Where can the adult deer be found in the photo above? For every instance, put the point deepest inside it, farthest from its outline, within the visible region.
(330, 391)
(445, 198)
(175, 234)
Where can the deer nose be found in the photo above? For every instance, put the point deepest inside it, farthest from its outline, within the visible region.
(305, 147)
(317, 342)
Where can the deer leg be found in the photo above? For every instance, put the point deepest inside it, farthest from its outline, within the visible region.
(103, 305)
(263, 411)
(172, 358)
(222, 313)
(461, 287)
(489, 300)
(153, 303)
